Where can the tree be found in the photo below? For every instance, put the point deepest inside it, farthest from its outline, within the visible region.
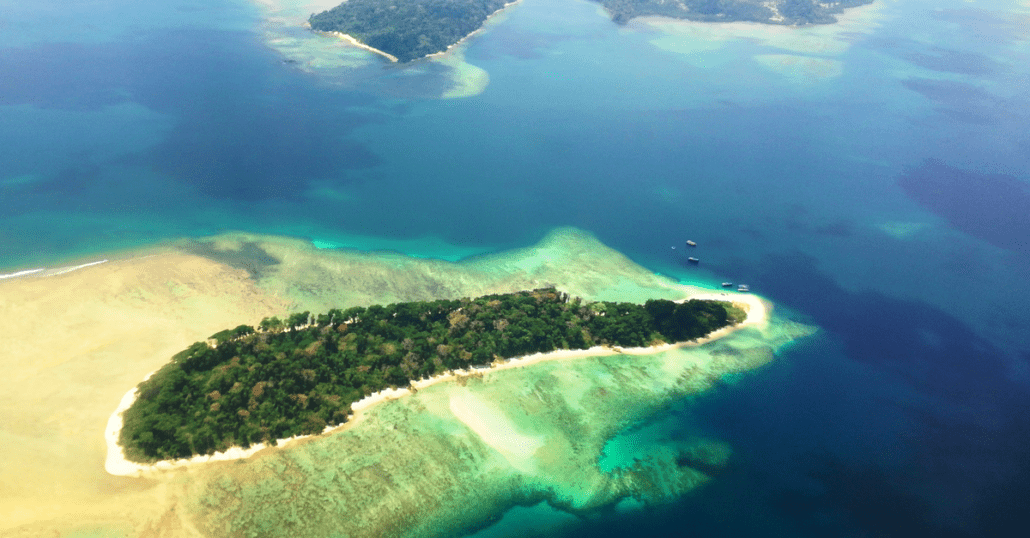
(272, 324)
(298, 320)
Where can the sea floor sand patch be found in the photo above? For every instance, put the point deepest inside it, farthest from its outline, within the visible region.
(16, 181)
(903, 230)
(316, 280)
(73, 343)
(801, 69)
(495, 429)
(468, 80)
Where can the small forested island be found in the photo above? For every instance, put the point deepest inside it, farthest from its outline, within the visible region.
(406, 29)
(412, 29)
(295, 376)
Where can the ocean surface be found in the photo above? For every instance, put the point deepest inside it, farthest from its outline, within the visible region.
(872, 179)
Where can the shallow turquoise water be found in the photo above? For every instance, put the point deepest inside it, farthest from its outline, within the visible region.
(144, 121)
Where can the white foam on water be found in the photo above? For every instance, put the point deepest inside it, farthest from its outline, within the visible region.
(63, 270)
(43, 271)
(22, 273)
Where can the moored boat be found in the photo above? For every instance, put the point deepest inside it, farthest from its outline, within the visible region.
(693, 260)
(691, 243)
(727, 284)
(743, 287)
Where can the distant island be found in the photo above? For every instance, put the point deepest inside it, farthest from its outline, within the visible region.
(406, 30)
(788, 12)
(298, 375)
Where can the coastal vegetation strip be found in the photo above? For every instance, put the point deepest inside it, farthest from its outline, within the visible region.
(299, 375)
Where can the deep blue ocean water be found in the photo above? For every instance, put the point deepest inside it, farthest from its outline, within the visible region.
(887, 205)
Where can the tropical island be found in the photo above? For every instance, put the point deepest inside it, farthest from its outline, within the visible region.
(298, 375)
(785, 12)
(405, 30)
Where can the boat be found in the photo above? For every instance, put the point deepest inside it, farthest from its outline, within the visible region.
(727, 284)
(691, 243)
(743, 287)
(693, 260)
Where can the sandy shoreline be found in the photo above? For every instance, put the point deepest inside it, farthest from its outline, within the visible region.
(116, 463)
(354, 41)
(72, 344)
(357, 43)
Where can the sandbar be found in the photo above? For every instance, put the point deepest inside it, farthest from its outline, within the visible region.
(355, 42)
(72, 343)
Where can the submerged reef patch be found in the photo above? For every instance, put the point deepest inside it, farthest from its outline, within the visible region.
(450, 457)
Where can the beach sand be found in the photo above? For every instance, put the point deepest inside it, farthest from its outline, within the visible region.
(352, 41)
(72, 344)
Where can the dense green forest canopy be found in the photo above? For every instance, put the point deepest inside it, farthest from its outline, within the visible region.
(407, 29)
(297, 375)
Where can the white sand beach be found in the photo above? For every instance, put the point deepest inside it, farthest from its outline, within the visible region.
(354, 42)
